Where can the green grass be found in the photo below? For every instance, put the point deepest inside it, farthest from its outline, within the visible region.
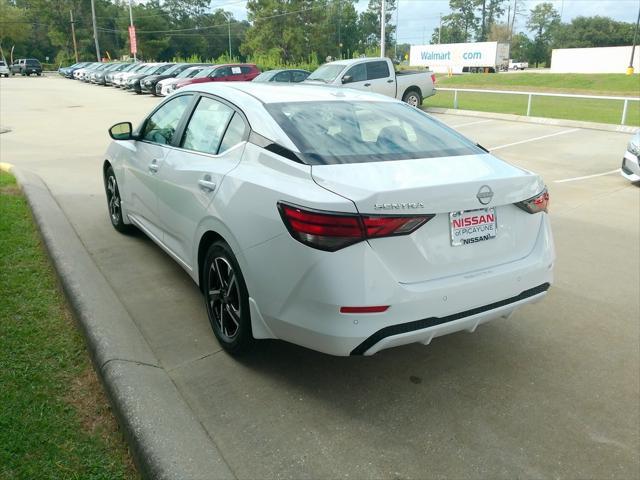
(590, 110)
(589, 84)
(55, 422)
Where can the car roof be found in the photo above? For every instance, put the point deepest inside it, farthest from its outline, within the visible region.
(269, 93)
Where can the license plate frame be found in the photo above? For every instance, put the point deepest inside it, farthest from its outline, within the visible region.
(485, 226)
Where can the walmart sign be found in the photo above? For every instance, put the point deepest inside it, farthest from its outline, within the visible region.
(458, 55)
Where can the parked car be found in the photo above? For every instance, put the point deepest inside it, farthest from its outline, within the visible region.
(377, 75)
(76, 74)
(100, 72)
(339, 220)
(99, 78)
(109, 76)
(239, 72)
(4, 70)
(165, 87)
(150, 81)
(68, 71)
(133, 81)
(630, 162)
(119, 79)
(282, 76)
(26, 66)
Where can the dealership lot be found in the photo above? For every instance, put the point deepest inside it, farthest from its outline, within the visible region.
(551, 392)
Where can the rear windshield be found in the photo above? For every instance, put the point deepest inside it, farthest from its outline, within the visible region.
(326, 73)
(189, 72)
(356, 132)
(33, 62)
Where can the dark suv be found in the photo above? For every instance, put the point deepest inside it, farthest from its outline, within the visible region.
(26, 66)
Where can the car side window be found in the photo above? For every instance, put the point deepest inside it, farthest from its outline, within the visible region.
(358, 73)
(221, 72)
(235, 133)
(206, 126)
(299, 76)
(161, 126)
(377, 70)
(282, 77)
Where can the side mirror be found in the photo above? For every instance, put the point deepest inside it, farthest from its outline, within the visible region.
(121, 131)
(347, 79)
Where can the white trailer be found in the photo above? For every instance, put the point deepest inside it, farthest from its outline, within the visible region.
(461, 57)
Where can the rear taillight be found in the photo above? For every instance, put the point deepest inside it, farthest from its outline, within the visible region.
(433, 78)
(332, 231)
(539, 203)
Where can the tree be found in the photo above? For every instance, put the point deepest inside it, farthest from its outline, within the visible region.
(584, 32)
(521, 47)
(490, 11)
(542, 20)
(370, 23)
(461, 24)
(500, 32)
(14, 26)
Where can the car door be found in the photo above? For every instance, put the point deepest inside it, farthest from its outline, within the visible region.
(211, 146)
(379, 77)
(221, 74)
(146, 160)
(356, 77)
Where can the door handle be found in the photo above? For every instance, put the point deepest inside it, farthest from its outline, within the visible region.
(207, 185)
(153, 166)
(390, 80)
(367, 84)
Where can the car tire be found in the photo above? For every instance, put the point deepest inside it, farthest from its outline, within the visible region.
(114, 202)
(413, 98)
(226, 299)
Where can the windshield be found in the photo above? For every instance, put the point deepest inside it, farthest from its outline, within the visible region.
(265, 76)
(334, 132)
(205, 73)
(326, 73)
(174, 69)
(189, 72)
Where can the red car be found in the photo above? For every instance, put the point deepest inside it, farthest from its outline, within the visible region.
(237, 72)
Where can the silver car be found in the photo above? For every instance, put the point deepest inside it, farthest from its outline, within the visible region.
(630, 163)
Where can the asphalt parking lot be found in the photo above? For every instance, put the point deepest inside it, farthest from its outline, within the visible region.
(551, 392)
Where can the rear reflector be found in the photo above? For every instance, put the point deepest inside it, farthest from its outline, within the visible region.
(378, 309)
(332, 231)
(539, 203)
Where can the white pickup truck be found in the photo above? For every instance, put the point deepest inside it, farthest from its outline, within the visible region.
(376, 75)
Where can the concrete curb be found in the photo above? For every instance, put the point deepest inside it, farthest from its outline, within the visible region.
(166, 439)
(539, 120)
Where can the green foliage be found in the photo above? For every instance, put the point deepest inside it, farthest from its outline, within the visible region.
(42, 356)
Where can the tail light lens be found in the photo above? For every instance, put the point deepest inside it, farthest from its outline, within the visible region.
(539, 203)
(332, 231)
(433, 78)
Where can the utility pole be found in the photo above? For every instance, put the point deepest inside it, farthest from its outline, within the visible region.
(439, 30)
(95, 28)
(633, 49)
(135, 58)
(395, 53)
(382, 25)
(73, 35)
(227, 15)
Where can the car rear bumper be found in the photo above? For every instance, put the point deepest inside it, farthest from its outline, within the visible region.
(630, 168)
(302, 305)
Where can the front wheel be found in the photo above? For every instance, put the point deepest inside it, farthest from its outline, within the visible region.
(114, 202)
(226, 299)
(413, 98)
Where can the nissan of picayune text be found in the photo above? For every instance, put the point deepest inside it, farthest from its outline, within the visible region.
(340, 220)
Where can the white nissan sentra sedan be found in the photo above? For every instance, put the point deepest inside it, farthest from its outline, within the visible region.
(340, 220)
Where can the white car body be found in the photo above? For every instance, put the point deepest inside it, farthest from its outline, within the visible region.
(376, 75)
(518, 65)
(165, 87)
(4, 69)
(120, 79)
(631, 162)
(332, 301)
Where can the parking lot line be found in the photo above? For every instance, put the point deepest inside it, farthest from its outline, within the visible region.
(477, 122)
(571, 130)
(587, 176)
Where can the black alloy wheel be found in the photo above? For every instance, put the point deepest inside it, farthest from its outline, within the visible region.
(226, 299)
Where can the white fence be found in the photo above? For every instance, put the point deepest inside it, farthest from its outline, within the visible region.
(530, 96)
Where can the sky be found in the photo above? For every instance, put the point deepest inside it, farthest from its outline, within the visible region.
(418, 18)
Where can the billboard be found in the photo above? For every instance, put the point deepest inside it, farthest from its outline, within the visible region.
(132, 39)
(455, 56)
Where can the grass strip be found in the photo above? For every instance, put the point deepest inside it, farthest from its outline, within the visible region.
(589, 110)
(55, 420)
(612, 84)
